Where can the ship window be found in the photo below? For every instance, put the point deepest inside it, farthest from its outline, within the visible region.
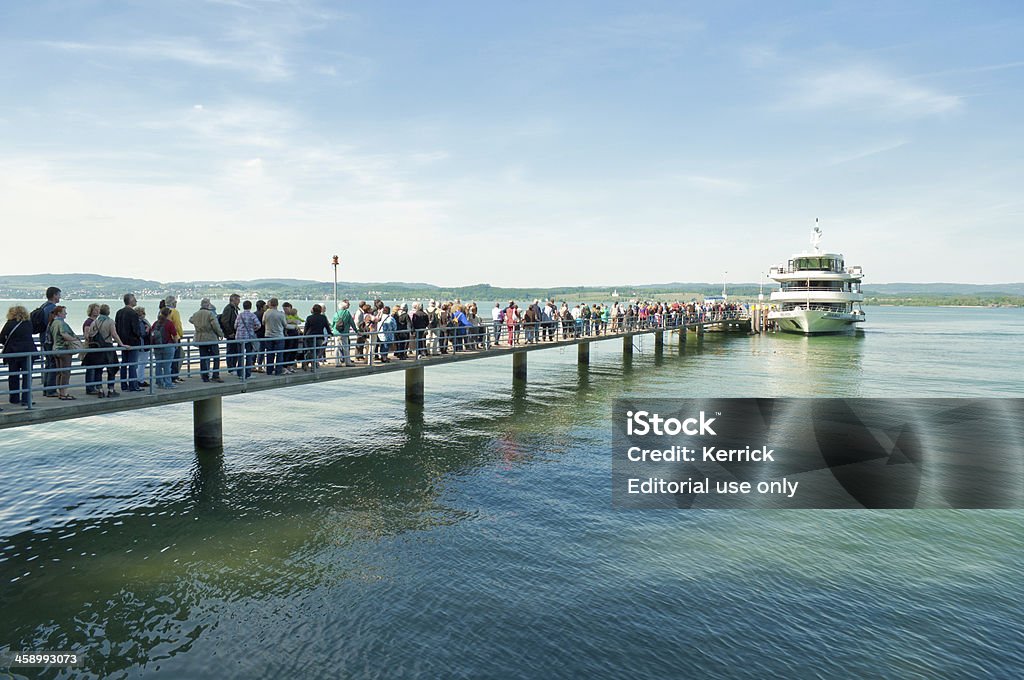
(812, 263)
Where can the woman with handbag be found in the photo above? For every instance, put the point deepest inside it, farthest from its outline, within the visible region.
(165, 336)
(16, 337)
(91, 360)
(103, 335)
(64, 341)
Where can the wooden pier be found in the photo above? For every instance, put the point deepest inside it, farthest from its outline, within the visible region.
(206, 396)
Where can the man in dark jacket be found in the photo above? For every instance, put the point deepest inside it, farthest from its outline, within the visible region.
(127, 323)
(50, 374)
(227, 324)
(402, 335)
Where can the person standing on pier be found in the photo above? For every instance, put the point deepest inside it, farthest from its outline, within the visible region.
(171, 302)
(40, 319)
(497, 316)
(261, 334)
(530, 322)
(164, 337)
(404, 325)
(274, 322)
(247, 326)
(16, 337)
(127, 322)
(420, 322)
(62, 338)
(511, 319)
(433, 329)
(344, 326)
(103, 333)
(444, 318)
(316, 329)
(208, 336)
(386, 332)
(143, 353)
(227, 320)
(91, 360)
(292, 340)
(360, 320)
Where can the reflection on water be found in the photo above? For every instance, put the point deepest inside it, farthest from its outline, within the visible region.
(476, 532)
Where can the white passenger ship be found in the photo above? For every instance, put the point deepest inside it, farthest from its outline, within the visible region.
(817, 292)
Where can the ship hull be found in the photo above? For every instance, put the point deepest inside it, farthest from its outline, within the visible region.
(815, 322)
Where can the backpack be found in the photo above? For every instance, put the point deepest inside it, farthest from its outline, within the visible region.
(38, 319)
(156, 332)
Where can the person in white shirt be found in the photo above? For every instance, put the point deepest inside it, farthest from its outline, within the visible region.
(274, 322)
(496, 318)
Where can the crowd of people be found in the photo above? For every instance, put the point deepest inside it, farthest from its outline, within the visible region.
(273, 338)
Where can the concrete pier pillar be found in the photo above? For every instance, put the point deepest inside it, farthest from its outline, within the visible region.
(208, 423)
(700, 329)
(414, 385)
(519, 366)
(659, 339)
(627, 345)
(583, 353)
(682, 334)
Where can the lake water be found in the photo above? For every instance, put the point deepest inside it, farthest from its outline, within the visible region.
(344, 534)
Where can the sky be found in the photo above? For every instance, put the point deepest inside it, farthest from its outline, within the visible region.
(513, 143)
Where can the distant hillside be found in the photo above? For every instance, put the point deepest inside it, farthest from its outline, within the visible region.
(77, 286)
(945, 288)
(40, 282)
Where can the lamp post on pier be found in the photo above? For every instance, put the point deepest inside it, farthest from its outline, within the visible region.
(334, 263)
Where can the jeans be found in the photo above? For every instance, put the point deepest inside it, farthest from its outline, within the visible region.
(176, 363)
(345, 348)
(129, 370)
(18, 385)
(247, 359)
(141, 364)
(317, 346)
(164, 364)
(93, 377)
(49, 377)
(233, 356)
(208, 350)
(260, 343)
(275, 355)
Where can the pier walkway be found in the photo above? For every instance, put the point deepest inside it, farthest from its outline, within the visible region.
(206, 396)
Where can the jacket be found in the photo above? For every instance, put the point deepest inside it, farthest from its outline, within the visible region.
(207, 327)
(227, 321)
(343, 322)
(16, 336)
(387, 329)
(126, 321)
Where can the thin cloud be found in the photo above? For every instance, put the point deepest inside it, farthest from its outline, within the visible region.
(241, 124)
(974, 69)
(862, 88)
(866, 153)
(262, 64)
(721, 184)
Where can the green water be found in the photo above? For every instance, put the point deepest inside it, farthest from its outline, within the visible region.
(344, 534)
